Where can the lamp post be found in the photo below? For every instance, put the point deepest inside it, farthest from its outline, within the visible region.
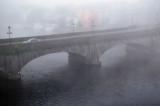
(72, 22)
(9, 33)
(132, 19)
(157, 18)
(92, 25)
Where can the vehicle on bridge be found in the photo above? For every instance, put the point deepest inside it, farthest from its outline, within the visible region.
(32, 40)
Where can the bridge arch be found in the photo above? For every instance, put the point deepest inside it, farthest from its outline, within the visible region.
(127, 47)
(28, 57)
(15, 63)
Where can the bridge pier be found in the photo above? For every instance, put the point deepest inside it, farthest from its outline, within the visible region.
(78, 59)
(9, 68)
(12, 76)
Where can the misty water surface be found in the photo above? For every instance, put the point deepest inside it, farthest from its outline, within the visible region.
(128, 76)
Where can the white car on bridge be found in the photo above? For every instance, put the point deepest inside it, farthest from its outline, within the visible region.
(32, 40)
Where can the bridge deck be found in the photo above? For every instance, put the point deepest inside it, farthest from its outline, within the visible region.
(5, 41)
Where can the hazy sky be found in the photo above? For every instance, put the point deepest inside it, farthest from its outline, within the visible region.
(38, 17)
(52, 3)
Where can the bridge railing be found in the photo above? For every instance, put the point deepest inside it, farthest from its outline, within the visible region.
(2, 41)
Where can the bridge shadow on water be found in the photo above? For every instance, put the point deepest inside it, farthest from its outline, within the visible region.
(128, 76)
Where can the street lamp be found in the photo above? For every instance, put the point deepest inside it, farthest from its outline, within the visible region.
(72, 23)
(132, 19)
(9, 33)
(92, 24)
(157, 18)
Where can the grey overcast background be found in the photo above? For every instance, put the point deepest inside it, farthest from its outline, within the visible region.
(43, 17)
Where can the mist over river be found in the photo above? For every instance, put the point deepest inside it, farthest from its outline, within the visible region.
(129, 75)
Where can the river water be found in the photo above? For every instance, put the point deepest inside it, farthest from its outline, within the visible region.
(128, 76)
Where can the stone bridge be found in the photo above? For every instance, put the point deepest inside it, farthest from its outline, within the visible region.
(86, 49)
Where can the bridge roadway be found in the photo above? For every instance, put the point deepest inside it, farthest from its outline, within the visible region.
(21, 39)
(86, 37)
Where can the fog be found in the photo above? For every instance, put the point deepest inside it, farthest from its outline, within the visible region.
(118, 71)
(43, 17)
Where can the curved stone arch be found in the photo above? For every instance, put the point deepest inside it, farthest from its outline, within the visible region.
(110, 47)
(24, 58)
(27, 57)
(37, 57)
(18, 61)
(140, 41)
(12, 64)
